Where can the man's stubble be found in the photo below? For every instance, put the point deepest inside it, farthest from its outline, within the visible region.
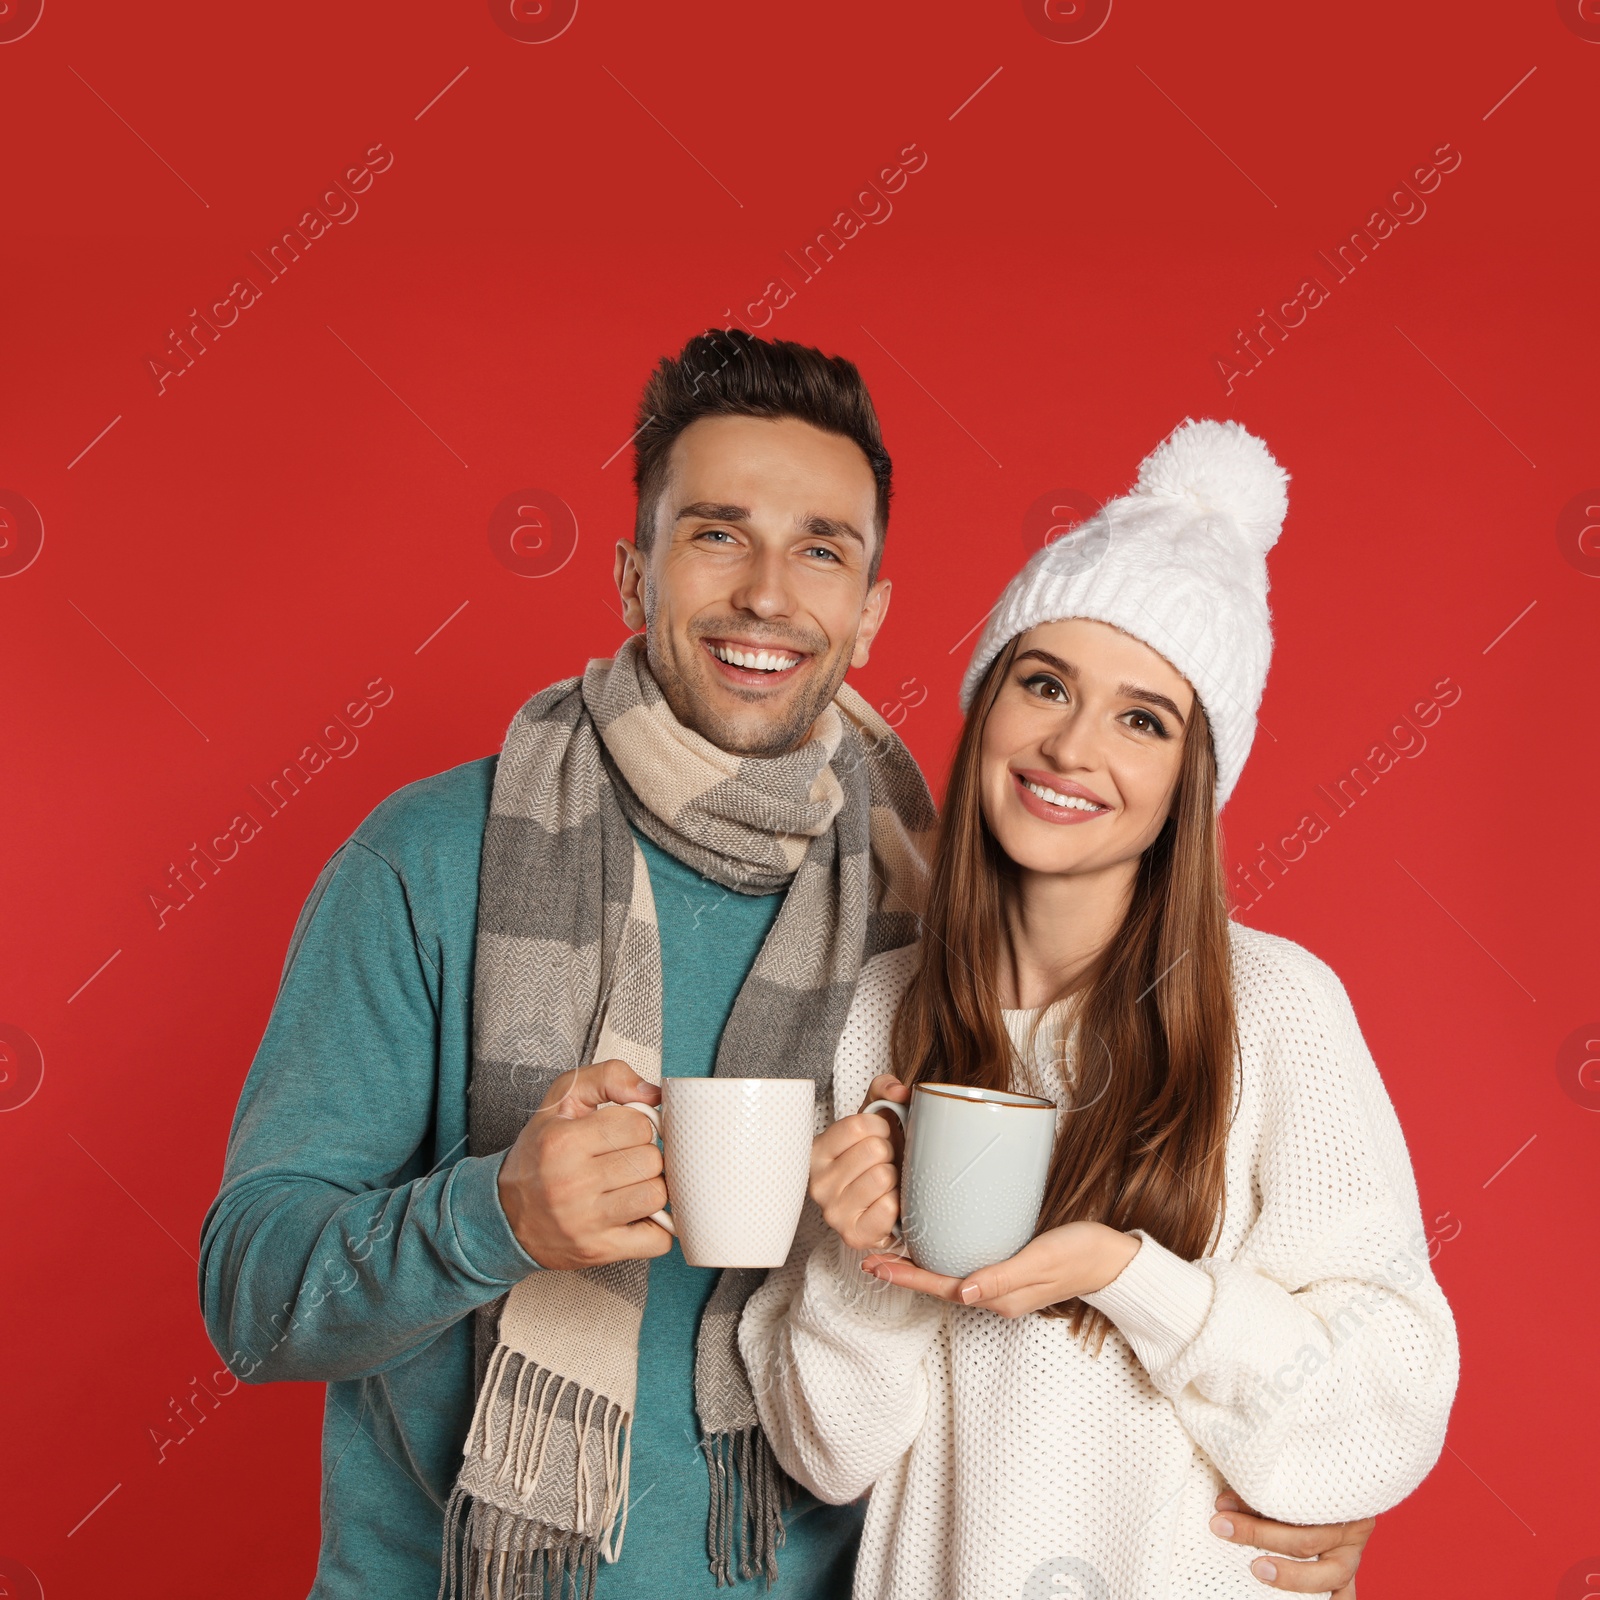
(744, 737)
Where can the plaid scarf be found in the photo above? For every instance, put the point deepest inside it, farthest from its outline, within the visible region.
(569, 972)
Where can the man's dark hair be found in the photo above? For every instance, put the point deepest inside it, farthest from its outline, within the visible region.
(726, 372)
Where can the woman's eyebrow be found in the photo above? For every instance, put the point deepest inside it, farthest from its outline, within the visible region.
(1131, 691)
(1065, 668)
(1134, 692)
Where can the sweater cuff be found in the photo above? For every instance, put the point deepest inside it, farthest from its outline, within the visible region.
(1159, 1302)
(490, 1247)
(870, 1299)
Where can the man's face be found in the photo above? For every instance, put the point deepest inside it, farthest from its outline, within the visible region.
(754, 594)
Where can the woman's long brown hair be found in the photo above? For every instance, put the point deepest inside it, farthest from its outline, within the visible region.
(1153, 1033)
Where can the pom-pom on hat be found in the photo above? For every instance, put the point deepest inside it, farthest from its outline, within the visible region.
(1179, 562)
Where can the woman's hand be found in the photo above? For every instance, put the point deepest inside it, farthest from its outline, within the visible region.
(853, 1175)
(1059, 1264)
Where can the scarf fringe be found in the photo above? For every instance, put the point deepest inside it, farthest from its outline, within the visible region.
(495, 1552)
(749, 1488)
(492, 1553)
(504, 1556)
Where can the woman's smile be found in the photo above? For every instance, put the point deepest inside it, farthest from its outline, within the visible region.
(1055, 799)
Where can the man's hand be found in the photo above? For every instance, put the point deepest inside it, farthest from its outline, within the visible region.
(1327, 1556)
(853, 1175)
(580, 1183)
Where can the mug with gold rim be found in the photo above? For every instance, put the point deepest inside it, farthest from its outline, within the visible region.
(973, 1174)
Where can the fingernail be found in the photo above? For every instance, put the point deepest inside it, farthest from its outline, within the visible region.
(971, 1293)
(1229, 1502)
(1222, 1527)
(1265, 1571)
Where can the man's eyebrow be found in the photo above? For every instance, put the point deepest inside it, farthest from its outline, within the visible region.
(814, 524)
(711, 511)
(1131, 691)
(821, 527)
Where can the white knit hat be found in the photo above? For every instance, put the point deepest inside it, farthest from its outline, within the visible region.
(1179, 562)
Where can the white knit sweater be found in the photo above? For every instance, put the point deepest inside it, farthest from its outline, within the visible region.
(1309, 1363)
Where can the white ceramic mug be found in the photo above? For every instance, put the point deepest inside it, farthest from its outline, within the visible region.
(973, 1175)
(738, 1159)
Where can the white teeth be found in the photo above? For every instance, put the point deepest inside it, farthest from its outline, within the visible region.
(754, 660)
(1068, 802)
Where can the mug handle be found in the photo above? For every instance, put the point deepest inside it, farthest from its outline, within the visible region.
(897, 1232)
(654, 1114)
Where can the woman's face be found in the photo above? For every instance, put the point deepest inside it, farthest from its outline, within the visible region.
(1081, 752)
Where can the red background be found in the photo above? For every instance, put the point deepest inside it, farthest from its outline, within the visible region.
(301, 512)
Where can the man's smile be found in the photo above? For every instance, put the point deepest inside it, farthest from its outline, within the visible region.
(750, 664)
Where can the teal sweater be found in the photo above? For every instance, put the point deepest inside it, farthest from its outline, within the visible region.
(352, 1237)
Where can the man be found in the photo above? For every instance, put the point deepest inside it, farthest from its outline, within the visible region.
(676, 866)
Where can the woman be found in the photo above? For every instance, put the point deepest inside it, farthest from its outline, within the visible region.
(1229, 1283)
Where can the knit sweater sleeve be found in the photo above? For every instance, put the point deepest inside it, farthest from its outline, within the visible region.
(1316, 1367)
(836, 1362)
(336, 1248)
(837, 1359)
